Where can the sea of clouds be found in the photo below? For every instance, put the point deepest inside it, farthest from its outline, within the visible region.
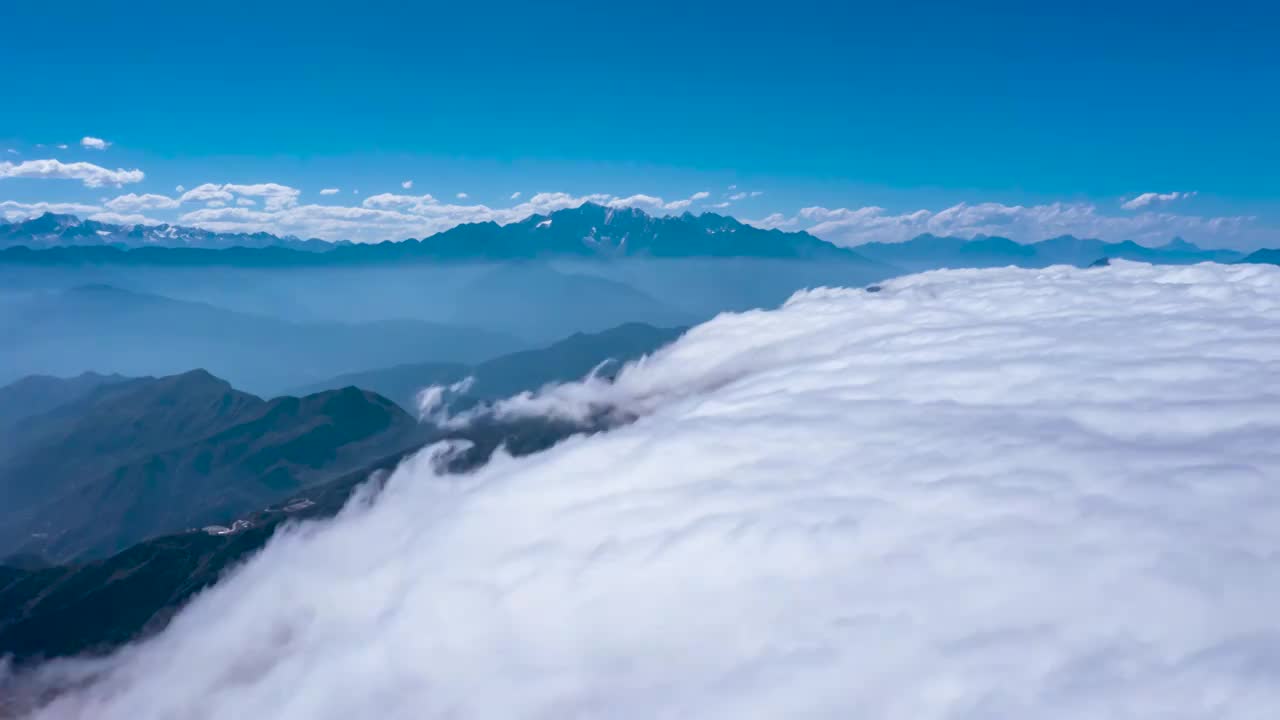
(972, 494)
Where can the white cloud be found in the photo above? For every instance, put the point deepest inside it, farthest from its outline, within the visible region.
(62, 146)
(757, 193)
(274, 196)
(703, 195)
(406, 184)
(774, 221)
(207, 192)
(738, 196)
(329, 191)
(11, 151)
(653, 204)
(12, 210)
(93, 143)
(91, 175)
(720, 205)
(515, 195)
(179, 189)
(462, 196)
(1147, 199)
(936, 501)
(133, 202)
(854, 226)
(124, 218)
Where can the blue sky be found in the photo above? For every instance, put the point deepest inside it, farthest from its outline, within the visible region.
(1037, 117)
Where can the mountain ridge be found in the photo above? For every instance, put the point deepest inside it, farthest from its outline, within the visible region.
(146, 456)
(587, 231)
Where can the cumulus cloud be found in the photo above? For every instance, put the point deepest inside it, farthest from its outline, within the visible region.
(653, 204)
(1146, 199)
(462, 196)
(406, 184)
(982, 493)
(91, 175)
(134, 202)
(1024, 223)
(180, 188)
(329, 191)
(93, 143)
(275, 197)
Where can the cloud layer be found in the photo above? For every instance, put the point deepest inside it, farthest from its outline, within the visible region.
(974, 494)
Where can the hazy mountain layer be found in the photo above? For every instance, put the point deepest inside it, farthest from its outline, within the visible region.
(568, 359)
(108, 329)
(929, 252)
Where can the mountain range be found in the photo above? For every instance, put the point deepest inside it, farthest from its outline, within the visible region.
(929, 252)
(588, 231)
(130, 459)
(59, 230)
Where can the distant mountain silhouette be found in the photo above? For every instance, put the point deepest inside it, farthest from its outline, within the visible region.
(929, 252)
(569, 359)
(1268, 256)
(143, 457)
(37, 394)
(593, 230)
(56, 230)
(587, 231)
(111, 329)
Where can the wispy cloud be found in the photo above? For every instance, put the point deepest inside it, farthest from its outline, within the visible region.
(1150, 198)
